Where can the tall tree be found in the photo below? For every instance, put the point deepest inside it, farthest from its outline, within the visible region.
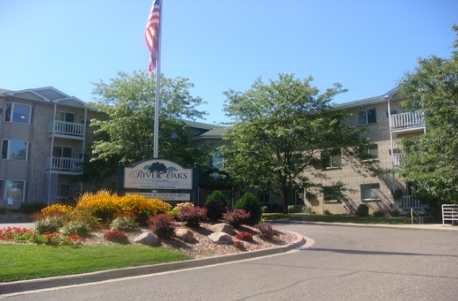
(431, 163)
(126, 134)
(279, 132)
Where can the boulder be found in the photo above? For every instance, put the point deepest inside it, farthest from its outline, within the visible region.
(146, 238)
(220, 238)
(224, 228)
(184, 234)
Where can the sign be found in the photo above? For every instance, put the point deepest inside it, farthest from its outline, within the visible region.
(10, 201)
(165, 196)
(157, 174)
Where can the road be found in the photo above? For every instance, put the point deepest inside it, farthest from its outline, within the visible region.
(345, 263)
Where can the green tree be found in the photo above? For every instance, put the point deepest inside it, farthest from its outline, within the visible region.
(431, 163)
(126, 134)
(279, 131)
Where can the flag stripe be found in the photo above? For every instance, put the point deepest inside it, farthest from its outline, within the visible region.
(152, 34)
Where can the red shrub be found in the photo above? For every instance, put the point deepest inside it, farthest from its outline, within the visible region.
(192, 215)
(237, 217)
(238, 244)
(246, 236)
(266, 230)
(116, 236)
(162, 225)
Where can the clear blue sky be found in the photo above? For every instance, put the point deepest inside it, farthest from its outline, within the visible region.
(366, 45)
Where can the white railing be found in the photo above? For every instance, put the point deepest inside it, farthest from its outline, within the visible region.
(408, 202)
(449, 213)
(67, 128)
(397, 158)
(405, 120)
(415, 217)
(64, 164)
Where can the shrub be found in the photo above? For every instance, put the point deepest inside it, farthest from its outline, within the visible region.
(236, 218)
(116, 236)
(327, 212)
(91, 222)
(215, 210)
(246, 236)
(379, 213)
(56, 209)
(266, 230)
(48, 224)
(250, 203)
(75, 227)
(264, 209)
(142, 207)
(192, 215)
(238, 244)
(124, 223)
(102, 204)
(173, 213)
(217, 196)
(294, 209)
(394, 213)
(362, 210)
(162, 225)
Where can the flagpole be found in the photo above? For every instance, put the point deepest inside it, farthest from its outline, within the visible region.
(158, 86)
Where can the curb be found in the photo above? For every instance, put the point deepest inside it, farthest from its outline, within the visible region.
(44, 283)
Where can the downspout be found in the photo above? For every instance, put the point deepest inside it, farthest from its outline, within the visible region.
(52, 147)
(393, 188)
(84, 144)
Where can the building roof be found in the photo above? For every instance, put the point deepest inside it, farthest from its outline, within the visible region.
(46, 94)
(369, 101)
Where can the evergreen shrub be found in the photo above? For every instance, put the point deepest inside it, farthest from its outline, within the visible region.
(250, 204)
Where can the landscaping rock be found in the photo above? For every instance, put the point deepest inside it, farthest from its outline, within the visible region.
(146, 238)
(224, 228)
(220, 238)
(184, 234)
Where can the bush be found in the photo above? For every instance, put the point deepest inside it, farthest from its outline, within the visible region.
(116, 236)
(162, 225)
(56, 209)
(217, 196)
(192, 215)
(264, 209)
(250, 203)
(173, 213)
(124, 223)
(48, 224)
(294, 209)
(362, 210)
(142, 207)
(394, 213)
(238, 244)
(327, 212)
(266, 230)
(215, 210)
(236, 218)
(246, 236)
(379, 214)
(75, 227)
(102, 204)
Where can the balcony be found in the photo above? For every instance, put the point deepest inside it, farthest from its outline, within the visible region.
(66, 129)
(407, 120)
(408, 201)
(64, 165)
(397, 159)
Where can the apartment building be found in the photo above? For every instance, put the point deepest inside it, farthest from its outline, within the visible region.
(44, 132)
(369, 179)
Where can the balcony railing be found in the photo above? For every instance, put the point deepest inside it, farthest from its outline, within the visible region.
(64, 164)
(406, 120)
(408, 201)
(67, 128)
(397, 159)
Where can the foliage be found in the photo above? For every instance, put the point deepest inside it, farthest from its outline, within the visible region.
(217, 196)
(102, 204)
(236, 217)
(394, 213)
(124, 223)
(308, 210)
(247, 236)
(238, 244)
(75, 227)
(173, 213)
(264, 209)
(116, 236)
(192, 215)
(362, 210)
(215, 210)
(23, 235)
(250, 204)
(327, 212)
(162, 225)
(267, 232)
(279, 130)
(125, 134)
(431, 160)
(142, 207)
(48, 224)
(379, 213)
(56, 209)
(294, 209)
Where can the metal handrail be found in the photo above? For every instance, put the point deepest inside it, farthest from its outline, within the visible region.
(449, 213)
(414, 216)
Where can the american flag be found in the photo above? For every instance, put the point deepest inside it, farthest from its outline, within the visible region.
(152, 34)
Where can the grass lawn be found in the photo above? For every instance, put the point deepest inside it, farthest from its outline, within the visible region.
(21, 262)
(335, 218)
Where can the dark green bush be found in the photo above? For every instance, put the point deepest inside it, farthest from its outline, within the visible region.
(379, 214)
(217, 196)
(362, 210)
(327, 212)
(250, 203)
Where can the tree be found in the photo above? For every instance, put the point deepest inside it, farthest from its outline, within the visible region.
(279, 131)
(431, 162)
(126, 134)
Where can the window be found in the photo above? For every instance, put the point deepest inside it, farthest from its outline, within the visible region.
(367, 117)
(331, 194)
(263, 196)
(332, 159)
(14, 150)
(370, 191)
(64, 190)
(15, 190)
(369, 152)
(64, 116)
(62, 152)
(17, 113)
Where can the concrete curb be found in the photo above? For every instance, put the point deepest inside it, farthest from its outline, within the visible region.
(43, 283)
